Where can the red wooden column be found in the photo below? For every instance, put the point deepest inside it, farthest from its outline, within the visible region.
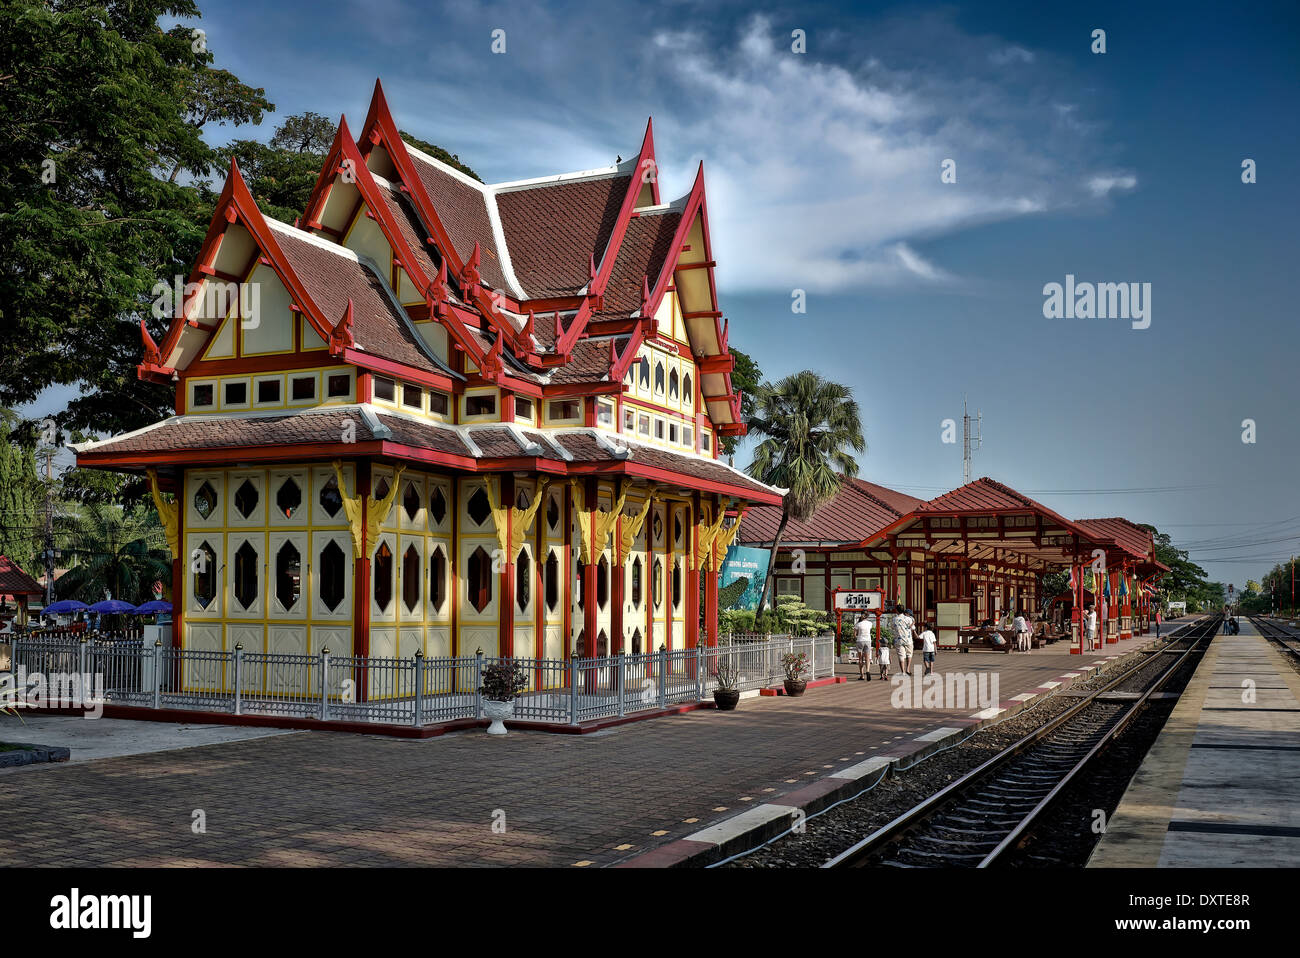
(617, 574)
(1076, 613)
(361, 579)
(589, 608)
(180, 562)
(711, 597)
(1127, 611)
(1112, 607)
(692, 630)
(506, 583)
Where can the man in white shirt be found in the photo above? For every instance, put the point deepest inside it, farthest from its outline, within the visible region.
(904, 626)
(1090, 626)
(928, 646)
(862, 641)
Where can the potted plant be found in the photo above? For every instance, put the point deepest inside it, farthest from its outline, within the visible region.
(796, 666)
(727, 693)
(502, 684)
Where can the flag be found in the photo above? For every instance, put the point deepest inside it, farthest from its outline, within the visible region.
(1105, 587)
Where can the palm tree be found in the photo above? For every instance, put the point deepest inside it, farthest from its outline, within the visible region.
(115, 550)
(810, 429)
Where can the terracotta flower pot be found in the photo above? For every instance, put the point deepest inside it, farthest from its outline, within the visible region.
(726, 699)
(795, 686)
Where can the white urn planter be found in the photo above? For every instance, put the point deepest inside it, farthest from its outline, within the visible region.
(498, 712)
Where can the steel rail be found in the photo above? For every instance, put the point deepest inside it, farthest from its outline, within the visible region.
(895, 830)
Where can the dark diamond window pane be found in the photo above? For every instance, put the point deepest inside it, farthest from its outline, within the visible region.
(636, 582)
(411, 578)
(246, 497)
(478, 579)
(411, 501)
(602, 582)
(330, 498)
(288, 575)
(381, 488)
(438, 579)
(478, 507)
(383, 576)
(246, 563)
(438, 505)
(205, 575)
(552, 513)
(552, 581)
(657, 583)
(289, 498)
(523, 581)
(205, 500)
(333, 573)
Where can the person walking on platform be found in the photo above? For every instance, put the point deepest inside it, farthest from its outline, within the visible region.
(862, 642)
(928, 646)
(1021, 627)
(1090, 625)
(1156, 616)
(904, 626)
(884, 660)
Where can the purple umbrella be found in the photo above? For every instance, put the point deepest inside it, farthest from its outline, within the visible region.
(152, 607)
(112, 606)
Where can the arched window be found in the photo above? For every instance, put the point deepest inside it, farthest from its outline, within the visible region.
(602, 583)
(552, 577)
(246, 570)
(205, 578)
(677, 583)
(644, 372)
(659, 378)
(672, 385)
(582, 585)
(688, 390)
(523, 580)
(411, 578)
(333, 573)
(478, 578)
(657, 585)
(383, 576)
(288, 575)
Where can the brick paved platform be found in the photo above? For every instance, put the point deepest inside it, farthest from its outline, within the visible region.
(318, 799)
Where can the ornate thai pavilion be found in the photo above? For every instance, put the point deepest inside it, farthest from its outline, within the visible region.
(441, 416)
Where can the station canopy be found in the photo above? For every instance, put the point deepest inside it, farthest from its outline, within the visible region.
(986, 521)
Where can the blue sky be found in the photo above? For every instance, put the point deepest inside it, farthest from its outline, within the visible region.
(823, 172)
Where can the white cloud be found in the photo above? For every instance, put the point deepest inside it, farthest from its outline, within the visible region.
(1101, 186)
(1012, 54)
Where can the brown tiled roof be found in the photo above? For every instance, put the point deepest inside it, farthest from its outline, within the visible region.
(645, 247)
(859, 510)
(412, 231)
(14, 581)
(987, 495)
(190, 433)
(584, 448)
(332, 278)
(462, 209)
(553, 231)
(589, 362)
(496, 443)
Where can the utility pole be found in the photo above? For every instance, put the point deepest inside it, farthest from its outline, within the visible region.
(969, 441)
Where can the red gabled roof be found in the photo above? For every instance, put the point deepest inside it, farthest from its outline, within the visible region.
(464, 213)
(1129, 536)
(858, 511)
(987, 495)
(14, 581)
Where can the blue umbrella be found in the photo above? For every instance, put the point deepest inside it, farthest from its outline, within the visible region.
(112, 606)
(149, 608)
(64, 607)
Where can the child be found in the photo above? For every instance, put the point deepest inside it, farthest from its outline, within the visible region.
(884, 661)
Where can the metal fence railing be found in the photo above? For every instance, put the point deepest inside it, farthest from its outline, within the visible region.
(415, 691)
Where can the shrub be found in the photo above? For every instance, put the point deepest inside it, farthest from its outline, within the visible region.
(503, 682)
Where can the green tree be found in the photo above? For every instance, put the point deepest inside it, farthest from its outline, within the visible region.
(746, 376)
(438, 153)
(810, 430)
(20, 496)
(101, 112)
(281, 174)
(115, 550)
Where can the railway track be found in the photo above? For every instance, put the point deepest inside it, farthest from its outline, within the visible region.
(1284, 637)
(978, 819)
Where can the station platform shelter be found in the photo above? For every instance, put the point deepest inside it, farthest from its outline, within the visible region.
(977, 553)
